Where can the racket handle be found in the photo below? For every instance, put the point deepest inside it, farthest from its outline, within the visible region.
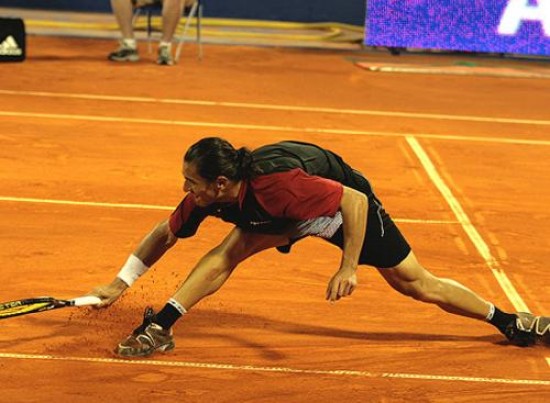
(86, 300)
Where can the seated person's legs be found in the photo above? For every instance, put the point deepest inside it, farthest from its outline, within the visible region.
(127, 51)
(171, 15)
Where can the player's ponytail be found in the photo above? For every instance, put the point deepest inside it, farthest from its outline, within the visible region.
(244, 162)
(214, 156)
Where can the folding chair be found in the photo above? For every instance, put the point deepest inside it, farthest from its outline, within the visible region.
(150, 7)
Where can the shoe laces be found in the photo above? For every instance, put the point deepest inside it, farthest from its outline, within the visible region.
(148, 317)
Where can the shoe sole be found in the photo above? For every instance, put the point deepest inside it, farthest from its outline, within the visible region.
(120, 351)
(124, 59)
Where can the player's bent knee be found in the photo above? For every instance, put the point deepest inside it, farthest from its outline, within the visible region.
(410, 278)
(431, 291)
(416, 291)
(424, 290)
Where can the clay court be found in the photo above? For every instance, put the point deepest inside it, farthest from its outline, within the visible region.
(90, 159)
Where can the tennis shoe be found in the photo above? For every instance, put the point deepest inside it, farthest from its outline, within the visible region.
(529, 329)
(124, 53)
(146, 338)
(164, 57)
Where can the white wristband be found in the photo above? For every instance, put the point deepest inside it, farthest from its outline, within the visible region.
(132, 270)
(491, 313)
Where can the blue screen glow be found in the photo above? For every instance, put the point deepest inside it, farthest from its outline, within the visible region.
(500, 26)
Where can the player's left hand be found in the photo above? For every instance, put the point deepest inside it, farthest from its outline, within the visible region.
(342, 284)
(109, 293)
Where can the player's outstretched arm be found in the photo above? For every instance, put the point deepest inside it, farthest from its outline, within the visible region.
(354, 207)
(150, 250)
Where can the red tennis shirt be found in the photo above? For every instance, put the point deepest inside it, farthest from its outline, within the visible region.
(269, 203)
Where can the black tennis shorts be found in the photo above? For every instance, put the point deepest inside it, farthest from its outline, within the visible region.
(384, 245)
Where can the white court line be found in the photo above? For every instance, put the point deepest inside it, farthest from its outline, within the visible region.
(287, 370)
(87, 203)
(246, 105)
(166, 208)
(289, 129)
(469, 228)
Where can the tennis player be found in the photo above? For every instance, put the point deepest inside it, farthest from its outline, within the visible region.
(275, 196)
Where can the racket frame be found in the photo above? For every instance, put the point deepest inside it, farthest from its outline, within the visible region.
(50, 304)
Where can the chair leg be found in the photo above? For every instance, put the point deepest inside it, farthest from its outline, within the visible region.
(149, 30)
(137, 13)
(185, 28)
(199, 25)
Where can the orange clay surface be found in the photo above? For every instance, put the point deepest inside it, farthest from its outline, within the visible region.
(268, 335)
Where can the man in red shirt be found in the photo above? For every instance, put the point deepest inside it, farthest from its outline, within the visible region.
(275, 196)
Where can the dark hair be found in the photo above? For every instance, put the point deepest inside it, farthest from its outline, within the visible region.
(214, 156)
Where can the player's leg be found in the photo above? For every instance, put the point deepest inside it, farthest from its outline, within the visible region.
(127, 51)
(208, 275)
(410, 278)
(217, 265)
(385, 247)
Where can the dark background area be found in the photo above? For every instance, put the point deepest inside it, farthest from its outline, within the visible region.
(350, 12)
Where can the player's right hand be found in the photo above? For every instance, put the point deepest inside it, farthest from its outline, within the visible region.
(342, 284)
(109, 293)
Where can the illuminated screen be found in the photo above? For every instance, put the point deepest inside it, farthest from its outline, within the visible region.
(496, 26)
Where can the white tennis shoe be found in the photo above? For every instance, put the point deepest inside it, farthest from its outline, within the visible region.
(146, 339)
(529, 329)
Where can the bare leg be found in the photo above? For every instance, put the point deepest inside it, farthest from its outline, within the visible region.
(171, 15)
(413, 280)
(216, 266)
(124, 12)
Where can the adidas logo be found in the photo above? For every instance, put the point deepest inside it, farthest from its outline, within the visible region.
(10, 48)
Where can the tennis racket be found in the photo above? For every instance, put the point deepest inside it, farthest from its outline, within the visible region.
(33, 305)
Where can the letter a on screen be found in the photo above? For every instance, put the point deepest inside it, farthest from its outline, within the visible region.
(518, 11)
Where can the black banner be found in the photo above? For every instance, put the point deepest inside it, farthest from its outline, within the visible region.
(12, 40)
